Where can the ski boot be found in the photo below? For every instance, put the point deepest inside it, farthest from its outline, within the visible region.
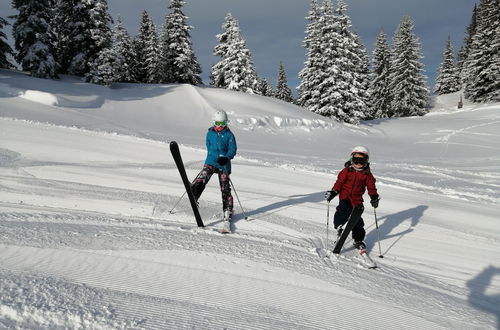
(227, 221)
(360, 245)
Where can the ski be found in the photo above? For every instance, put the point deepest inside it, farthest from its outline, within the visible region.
(353, 220)
(367, 260)
(176, 154)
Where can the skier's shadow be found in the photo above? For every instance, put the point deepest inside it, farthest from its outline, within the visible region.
(391, 221)
(286, 203)
(477, 292)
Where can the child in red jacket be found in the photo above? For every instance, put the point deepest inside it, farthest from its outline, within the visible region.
(351, 184)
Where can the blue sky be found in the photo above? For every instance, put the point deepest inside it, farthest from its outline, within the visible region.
(274, 29)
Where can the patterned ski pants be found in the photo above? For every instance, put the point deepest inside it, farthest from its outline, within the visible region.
(202, 179)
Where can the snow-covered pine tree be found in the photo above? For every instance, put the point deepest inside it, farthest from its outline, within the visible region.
(312, 45)
(379, 87)
(482, 75)
(322, 70)
(217, 74)
(283, 92)
(265, 88)
(148, 64)
(463, 54)
(104, 67)
(5, 49)
(124, 47)
(495, 67)
(448, 80)
(83, 28)
(339, 91)
(409, 94)
(363, 76)
(235, 70)
(114, 64)
(35, 37)
(179, 61)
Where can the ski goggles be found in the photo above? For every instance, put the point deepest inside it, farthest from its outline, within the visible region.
(220, 123)
(359, 160)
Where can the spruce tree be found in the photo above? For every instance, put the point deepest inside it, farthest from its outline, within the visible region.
(322, 75)
(148, 65)
(5, 49)
(124, 47)
(312, 45)
(265, 88)
(148, 68)
(482, 75)
(104, 68)
(339, 92)
(463, 54)
(448, 80)
(179, 60)
(283, 92)
(363, 77)
(235, 70)
(409, 94)
(34, 37)
(379, 87)
(83, 29)
(217, 74)
(495, 67)
(114, 64)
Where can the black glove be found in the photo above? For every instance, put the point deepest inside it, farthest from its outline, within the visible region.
(374, 200)
(330, 194)
(222, 160)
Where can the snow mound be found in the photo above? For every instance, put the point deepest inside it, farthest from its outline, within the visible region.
(39, 97)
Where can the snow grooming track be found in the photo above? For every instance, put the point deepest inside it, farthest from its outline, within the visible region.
(50, 303)
(201, 274)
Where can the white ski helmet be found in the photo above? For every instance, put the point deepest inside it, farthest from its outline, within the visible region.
(361, 150)
(220, 115)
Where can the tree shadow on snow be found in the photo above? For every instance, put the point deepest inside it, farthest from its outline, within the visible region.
(477, 292)
(390, 222)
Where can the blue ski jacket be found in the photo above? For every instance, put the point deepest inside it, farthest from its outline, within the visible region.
(220, 144)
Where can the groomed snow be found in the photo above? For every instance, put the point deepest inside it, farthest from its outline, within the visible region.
(87, 239)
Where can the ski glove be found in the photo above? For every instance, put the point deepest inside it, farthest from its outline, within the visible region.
(374, 200)
(222, 161)
(330, 194)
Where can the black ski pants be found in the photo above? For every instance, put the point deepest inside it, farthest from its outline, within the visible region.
(341, 217)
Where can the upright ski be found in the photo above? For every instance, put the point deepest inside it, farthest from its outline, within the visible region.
(353, 220)
(176, 154)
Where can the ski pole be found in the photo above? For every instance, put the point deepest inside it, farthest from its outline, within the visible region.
(327, 224)
(378, 234)
(234, 189)
(171, 211)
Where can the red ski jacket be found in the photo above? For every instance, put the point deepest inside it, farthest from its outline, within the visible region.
(351, 185)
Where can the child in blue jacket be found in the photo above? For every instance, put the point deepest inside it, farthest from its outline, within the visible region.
(221, 148)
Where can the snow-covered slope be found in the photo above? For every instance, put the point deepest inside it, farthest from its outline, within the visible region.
(87, 240)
